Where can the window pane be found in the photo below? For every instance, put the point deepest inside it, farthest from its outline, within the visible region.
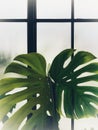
(52, 38)
(65, 124)
(13, 41)
(86, 37)
(13, 9)
(86, 8)
(86, 124)
(53, 8)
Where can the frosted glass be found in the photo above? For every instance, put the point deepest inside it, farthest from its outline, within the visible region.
(86, 8)
(53, 8)
(13, 9)
(52, 38)
(86, 124)
(86, 37)
(13, 41)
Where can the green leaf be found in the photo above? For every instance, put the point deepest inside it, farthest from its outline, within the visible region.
(25, 110)
(35, 61)
(90, 89)
(68, 78)
(91, 68)
(68, 101)
(80, 58)
(19, 69)
(58, 62)
(35, 91)
(58, 100)
(78, 100)
(86, 79)
(8, 84)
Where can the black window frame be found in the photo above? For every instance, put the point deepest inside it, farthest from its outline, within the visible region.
(32, 21)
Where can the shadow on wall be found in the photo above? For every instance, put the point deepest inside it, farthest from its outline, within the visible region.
(5, 59)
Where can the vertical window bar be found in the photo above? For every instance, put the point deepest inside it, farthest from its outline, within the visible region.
(72, 24)
(72, 46)
(31, 32)
(31, 26)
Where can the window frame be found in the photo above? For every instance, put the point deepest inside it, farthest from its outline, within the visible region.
(32, 23)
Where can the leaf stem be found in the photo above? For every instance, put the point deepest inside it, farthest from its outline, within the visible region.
(72, 124)
(53, 96)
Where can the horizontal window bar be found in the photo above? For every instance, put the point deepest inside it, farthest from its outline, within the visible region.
(67, 20)
(85, 20)
(49, 20)
(13, 20)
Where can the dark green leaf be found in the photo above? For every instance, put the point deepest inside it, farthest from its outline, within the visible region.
(69, 79)
(58, 62)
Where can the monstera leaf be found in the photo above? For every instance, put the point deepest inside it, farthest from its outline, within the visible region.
(36, 93)
(80, 98)
(68, 83)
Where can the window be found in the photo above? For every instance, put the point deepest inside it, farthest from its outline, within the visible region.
(53, 9)
(13, 29)
(13, 9)
(50, 36)
(50, 26)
